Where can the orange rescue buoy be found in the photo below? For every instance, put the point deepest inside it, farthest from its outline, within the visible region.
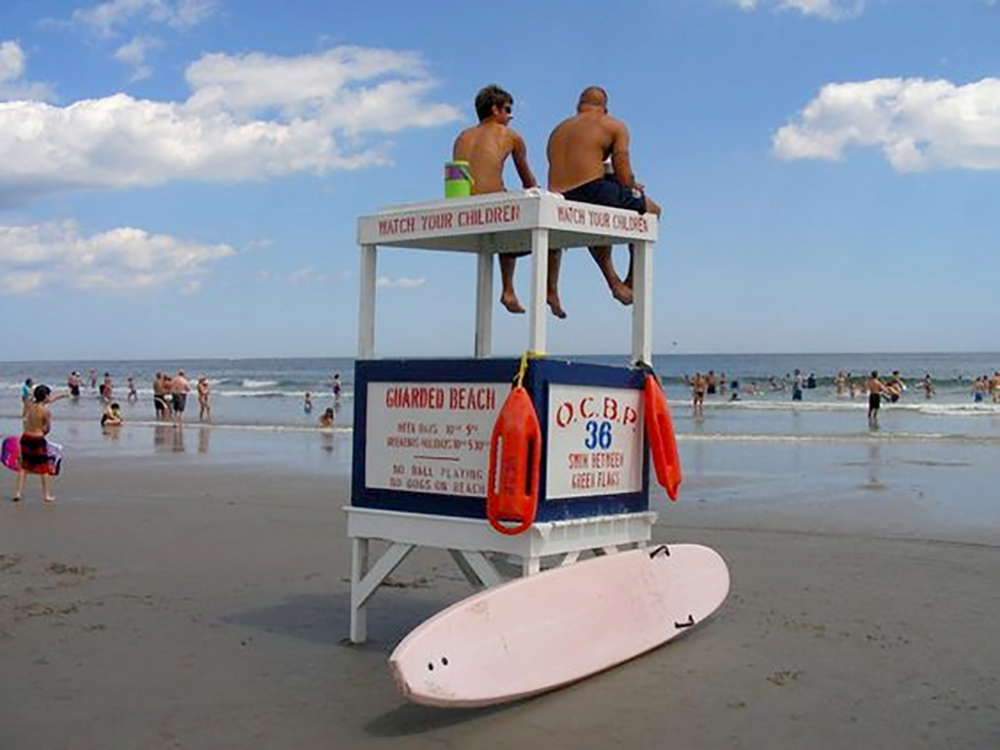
(660, 433)
(514, 467)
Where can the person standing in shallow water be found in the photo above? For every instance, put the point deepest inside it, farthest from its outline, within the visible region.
(875, 390)
(337, 388)
(26, 396)
(34, 445)
(204, 404)
(179, 389)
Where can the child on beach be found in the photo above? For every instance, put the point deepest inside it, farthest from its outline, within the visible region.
(326, 419)
(307, 403)
(112, 416)
(35, 457)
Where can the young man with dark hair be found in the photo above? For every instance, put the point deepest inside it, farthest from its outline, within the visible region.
(486, 147)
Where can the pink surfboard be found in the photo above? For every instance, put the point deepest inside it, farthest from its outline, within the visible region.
(545, 631)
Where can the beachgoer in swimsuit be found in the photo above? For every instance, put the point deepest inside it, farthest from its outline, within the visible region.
(204, 405)
(74, 383)
(112, 416)
(160, 396)
(875, 389)
(179, 389)
(577, 150)
(336, 389)
(26, 396)
(35, 457)
(698, 388)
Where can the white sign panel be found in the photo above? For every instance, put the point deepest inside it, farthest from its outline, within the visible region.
(595, 441)
(431, 437)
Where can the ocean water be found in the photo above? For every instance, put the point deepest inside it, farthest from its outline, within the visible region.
(267, 394)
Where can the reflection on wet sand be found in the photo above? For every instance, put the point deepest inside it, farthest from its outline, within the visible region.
(204, 435)
(162, 439)
(177, 446)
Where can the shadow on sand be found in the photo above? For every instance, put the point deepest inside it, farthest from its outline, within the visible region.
(326, 619)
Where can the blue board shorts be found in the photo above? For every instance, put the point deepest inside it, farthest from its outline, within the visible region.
(607, 191)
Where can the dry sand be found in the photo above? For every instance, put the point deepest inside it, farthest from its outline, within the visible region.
(169, 601)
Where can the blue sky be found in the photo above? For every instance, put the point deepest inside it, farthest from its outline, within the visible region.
(182, 178)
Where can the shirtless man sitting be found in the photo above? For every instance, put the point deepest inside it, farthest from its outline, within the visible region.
(577, 150)
(486, 147)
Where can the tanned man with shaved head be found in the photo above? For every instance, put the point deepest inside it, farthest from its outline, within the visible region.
(577, 151)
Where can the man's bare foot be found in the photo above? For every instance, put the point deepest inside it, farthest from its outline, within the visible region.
(49, 499)
(622, 293)
(511, 303)
(556, 306)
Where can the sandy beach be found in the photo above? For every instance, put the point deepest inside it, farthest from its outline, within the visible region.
(199, 599)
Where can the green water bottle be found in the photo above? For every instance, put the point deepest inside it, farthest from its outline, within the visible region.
(457, 179)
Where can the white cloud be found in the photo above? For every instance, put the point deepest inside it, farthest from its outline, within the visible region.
(249, 117)
(301, 277)
(401, 282)
(106, 19)
(133, 54)
(56, 254)
(12, 67)
(306, 276)
(328, 87)
(11, 61)
(918, 124)
(832, 10)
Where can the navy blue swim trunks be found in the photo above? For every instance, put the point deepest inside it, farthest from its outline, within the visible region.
(607, 191)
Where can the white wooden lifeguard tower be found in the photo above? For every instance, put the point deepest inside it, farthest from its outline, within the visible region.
(422, 426)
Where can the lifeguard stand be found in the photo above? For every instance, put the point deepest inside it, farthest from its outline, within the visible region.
(422, 426)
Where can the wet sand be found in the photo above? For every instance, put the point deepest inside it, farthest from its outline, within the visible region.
(180, 599)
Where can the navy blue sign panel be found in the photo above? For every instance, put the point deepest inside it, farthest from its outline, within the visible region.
(422, 431)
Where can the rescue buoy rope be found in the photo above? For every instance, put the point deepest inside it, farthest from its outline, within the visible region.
(523, 369)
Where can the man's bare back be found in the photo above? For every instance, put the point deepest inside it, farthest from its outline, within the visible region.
(486, 147)
(579, 145)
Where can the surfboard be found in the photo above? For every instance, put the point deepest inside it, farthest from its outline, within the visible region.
(539, 633)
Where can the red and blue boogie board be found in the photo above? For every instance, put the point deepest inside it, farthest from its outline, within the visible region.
(10, 455)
